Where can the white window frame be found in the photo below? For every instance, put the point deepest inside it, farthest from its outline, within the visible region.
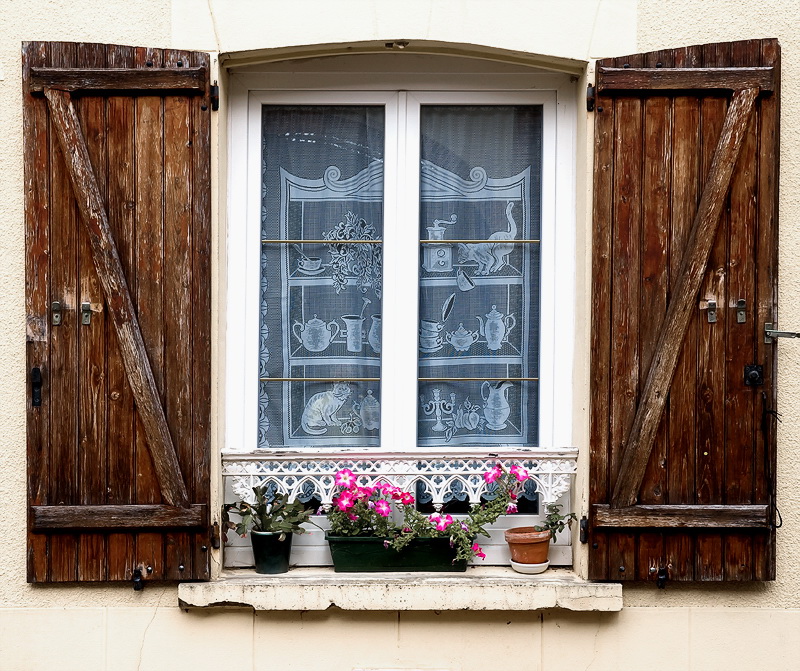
(558, 97)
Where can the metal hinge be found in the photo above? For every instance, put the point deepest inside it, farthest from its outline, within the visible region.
(770, 333)
(584, 530)
(214, 96)
(214, 535)
(590, 94)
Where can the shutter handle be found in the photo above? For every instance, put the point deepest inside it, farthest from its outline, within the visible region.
(36, 387)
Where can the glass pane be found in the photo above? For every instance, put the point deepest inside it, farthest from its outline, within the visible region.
(479, 298)
(322, 180)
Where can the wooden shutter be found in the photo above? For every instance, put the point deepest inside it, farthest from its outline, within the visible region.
(117, 216)
(685, 215)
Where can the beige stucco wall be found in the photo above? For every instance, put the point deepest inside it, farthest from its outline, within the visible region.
(96, 627)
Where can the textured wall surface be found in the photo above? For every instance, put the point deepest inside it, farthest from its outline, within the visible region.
(113, 627)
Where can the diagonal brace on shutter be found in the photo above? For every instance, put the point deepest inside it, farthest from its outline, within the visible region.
(653, 399)
(123, 316)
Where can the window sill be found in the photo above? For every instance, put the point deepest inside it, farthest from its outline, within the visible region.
(480, 588)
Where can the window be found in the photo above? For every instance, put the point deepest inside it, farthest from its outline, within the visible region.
(430, 344)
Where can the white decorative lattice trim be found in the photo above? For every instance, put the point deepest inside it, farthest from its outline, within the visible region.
(303, 477)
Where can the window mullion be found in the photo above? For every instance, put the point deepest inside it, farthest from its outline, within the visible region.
(400, 249)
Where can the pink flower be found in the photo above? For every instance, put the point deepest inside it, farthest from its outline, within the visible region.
(511, 508)
(519, 472)
(492, 474)
(464, 526)
(345, 478)
(443, 522)
(383, 508)
(352, 517)
(345, 501)
(386, 544)
(434, 517)
(407, 499)
(478, 552)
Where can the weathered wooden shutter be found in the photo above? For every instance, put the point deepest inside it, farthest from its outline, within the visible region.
(685, 227)
(117, 209)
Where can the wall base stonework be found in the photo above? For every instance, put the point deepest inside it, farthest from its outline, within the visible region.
(156, 639)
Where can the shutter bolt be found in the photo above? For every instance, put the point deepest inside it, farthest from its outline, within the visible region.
(149, 569)
(653, 569)
(181, 567)
(204, 548)
(659, 64)
(622, 569)
(627, 65)
(180, 64)
(594, 546)
(149, 64)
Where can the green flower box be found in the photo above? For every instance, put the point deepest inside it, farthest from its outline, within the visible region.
(367, 554)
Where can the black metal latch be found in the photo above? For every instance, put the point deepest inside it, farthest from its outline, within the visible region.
(36, 387)
(754, 375)
(138, 581)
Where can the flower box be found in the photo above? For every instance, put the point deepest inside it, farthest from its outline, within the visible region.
(369, 554)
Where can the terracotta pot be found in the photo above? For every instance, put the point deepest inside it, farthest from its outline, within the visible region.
(527, 545)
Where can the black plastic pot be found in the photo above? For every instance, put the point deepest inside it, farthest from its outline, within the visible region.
(271, 554)
(367, 554)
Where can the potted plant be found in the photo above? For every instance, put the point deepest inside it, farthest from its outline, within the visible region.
(272, 523)
(364, 536)
(529, 546)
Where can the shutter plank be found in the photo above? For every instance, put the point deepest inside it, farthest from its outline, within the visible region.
(654, 276)
(626, 300)
(122, 221)
(150, 226)
(764, 554)
(601, 322)
(201, 302)
(178, 306)
(705, 78)
(117, 517)
(653, 397)
(92, 417)
(685, 516)
(682, 415)
(740, 345)
(37, 301)
(63, 477)
(711, 375)
(186, 79)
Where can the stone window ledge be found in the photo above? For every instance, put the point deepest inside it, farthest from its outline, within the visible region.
(480, 588)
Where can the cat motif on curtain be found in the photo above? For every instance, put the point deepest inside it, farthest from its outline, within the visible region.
(320, 411)
(492, 255)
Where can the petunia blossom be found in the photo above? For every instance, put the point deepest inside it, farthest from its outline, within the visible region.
(511, 508)
(345, 478)
(492, 474)
(345, 501)
(383, 508)
(519, 472)
(443, 522)
(478, 552)
(407, 499)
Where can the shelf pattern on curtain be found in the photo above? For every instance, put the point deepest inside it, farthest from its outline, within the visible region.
(480, 211)
(320, 313)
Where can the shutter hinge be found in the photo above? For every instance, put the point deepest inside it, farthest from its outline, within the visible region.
(584, 530)
(214, 535)
(214, 95)
(590, 93)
